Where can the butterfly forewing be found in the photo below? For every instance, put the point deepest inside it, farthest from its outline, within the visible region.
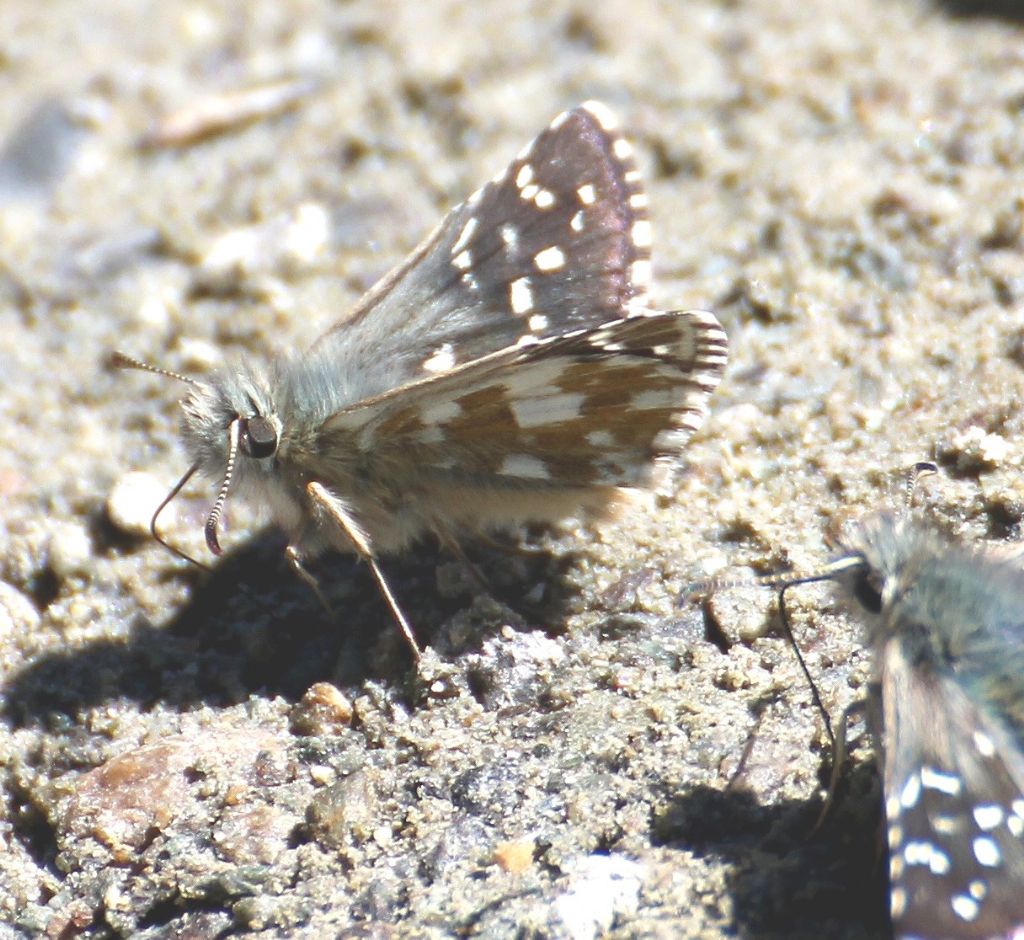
(558, 241)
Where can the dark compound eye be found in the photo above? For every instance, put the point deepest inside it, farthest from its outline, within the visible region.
(259, 437)
(867, 591)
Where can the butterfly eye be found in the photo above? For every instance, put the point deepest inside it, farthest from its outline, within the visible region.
(867, 591)
(259, 437)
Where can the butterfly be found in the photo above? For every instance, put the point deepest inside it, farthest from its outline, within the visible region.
(509, 370)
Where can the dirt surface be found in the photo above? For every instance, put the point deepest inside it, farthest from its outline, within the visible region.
(206, 754)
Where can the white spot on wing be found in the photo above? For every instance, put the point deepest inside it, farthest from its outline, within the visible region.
(918, 853)
(545, 199)
(988, 816)
(430, 435)
(937, 780)
(964, 907)
(987, 852)
(524, 176)
(641, 271)
(463, 261)
(550, 259)
(509, 235)
(622, 149)
(911, 792)
(587, 194)
(576, 222)
(520, 296)
(552, 409)
(602, 114)
(642, 233)
(522, 465)
(441, 413)
(538, 322)
(897, 902)
(559, 120)
(984, 744)
(658, 398)
(528, 192)
(442, 360)
(465, 235)
(939, 863)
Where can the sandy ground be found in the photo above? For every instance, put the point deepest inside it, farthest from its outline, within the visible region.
(840, 183)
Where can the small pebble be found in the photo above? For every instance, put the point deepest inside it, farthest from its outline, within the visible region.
(199, 355)
(17, 612)
(345, 812)
(133, 500)
(602, 889)
(515, 857)
(975, 450)
(307, 236)
(70, 550)
(324, 710)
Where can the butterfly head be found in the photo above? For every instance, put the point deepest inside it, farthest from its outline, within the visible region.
(231, 428)
(875, 556)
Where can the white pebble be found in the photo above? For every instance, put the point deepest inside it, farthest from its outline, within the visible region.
(602, 889)
(70, 550)
(975, 445)
(133, 500)
(17, 612)
(306, 236)
(199, 355)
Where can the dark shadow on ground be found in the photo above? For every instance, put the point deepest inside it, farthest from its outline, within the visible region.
(1010, 10)
(253, 626)
(788, 879)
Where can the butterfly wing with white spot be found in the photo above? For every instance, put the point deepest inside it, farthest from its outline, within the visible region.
(559, 241)
(954, 792)
(595, 407)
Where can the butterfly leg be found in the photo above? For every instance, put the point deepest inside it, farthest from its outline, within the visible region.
(329, 504)
(451, 544)
(839, 755)
(295, 560)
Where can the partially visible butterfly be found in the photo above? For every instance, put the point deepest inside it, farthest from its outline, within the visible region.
(508, 370)
(945, 624)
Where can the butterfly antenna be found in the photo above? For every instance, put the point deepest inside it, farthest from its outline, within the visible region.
(213, 520)
(923, 468)
(815, 694)
(120, 360)
(783, 581)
